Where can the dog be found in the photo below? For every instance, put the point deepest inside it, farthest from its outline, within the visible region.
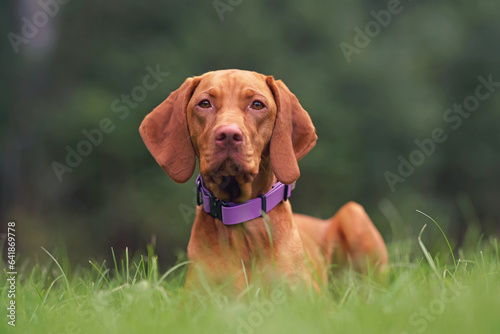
(248, 131)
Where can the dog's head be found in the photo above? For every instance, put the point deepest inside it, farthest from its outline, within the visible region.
(236, 122)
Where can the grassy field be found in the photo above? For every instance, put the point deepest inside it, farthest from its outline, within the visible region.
(438, 293)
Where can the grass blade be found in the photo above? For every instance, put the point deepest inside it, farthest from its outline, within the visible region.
(427, 254)
(38, 292)
(117, 273)
(267, 224)
(444, 235)
(244, 273)
(496, 251)
(49, 289)
(171, 270)
(126, 263)
(61, 269)
(100, 272)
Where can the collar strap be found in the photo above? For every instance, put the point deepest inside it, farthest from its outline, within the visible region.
(231, 213)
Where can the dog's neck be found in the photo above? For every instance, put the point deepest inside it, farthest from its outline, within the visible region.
(245, 241)
(237, 189)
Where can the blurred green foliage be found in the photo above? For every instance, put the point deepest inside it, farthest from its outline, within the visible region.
(367, 112)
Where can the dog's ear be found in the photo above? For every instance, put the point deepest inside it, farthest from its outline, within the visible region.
(293, 135)
(166, 135)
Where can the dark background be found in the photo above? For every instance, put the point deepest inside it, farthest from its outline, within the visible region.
(367, 112)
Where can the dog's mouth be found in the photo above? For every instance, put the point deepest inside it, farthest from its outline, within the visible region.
(230, 181)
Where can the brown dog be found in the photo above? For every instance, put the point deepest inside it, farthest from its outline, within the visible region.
(248, 131)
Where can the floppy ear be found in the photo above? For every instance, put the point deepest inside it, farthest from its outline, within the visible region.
(166, 135)
(293, 135)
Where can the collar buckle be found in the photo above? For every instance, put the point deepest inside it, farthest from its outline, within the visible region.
(199, 198)
(216, 206)
(263, 205)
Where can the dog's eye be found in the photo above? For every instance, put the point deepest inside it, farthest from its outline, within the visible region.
(205, 104)
(257, 105)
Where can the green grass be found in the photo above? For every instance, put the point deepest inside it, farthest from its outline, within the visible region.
(423, 293)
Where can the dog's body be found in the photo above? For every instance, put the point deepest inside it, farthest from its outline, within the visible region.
(248, 132)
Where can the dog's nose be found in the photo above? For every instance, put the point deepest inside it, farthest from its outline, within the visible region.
(228, 136)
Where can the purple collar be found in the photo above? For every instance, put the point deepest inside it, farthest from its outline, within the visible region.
(230, 213)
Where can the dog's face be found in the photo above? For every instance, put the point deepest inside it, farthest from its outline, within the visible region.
(237, 123)
(231, 117)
